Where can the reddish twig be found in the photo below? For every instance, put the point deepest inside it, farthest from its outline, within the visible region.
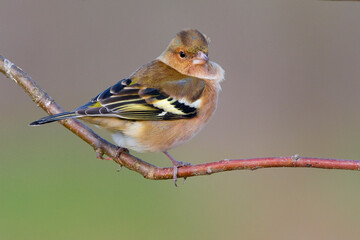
(101, 146)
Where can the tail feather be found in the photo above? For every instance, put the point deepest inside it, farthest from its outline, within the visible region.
(54, 118)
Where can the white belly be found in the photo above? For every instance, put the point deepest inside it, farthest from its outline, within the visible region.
(128, 142)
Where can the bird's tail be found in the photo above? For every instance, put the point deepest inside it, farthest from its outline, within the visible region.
(54, 118)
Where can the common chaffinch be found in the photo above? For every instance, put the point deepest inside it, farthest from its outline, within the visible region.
(163, 103)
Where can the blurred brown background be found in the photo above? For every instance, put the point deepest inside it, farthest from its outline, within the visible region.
(292, 87)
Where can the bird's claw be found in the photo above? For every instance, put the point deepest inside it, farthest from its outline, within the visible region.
(176, 165)
(175, 170)
(120, 150)
(100, 155)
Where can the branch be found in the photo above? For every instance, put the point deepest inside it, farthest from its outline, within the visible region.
(101, 146)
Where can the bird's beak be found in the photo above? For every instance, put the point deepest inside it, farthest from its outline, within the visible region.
(200, 58)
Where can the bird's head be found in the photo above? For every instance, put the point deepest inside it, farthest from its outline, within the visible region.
(188, 54)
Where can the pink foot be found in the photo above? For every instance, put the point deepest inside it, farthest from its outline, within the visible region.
(176, 165)
(100, 153)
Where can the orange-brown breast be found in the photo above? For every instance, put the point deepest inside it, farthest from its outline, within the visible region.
(164, 135)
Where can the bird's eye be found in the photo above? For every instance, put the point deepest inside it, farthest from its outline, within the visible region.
(182, 54)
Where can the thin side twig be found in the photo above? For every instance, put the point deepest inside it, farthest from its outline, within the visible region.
(101, 146)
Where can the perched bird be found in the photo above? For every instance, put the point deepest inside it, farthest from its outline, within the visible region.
(163, 103)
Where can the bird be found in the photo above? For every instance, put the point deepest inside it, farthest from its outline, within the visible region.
(161, 105)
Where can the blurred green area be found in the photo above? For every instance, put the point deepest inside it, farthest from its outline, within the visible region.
(53, 187)
(292, 87)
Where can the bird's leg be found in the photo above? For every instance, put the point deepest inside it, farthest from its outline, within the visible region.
(176, 165)
(100, 153)
(119, 151)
